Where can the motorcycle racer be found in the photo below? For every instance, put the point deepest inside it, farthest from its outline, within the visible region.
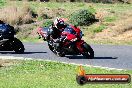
(56, 31)
(66, 41)
(6, 30)
(56, 28)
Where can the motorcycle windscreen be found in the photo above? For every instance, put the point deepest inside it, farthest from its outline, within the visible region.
(69, 30)
(6, 31)
(3, 28)
(44, 31)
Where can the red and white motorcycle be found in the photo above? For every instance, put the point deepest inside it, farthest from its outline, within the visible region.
(72, 43)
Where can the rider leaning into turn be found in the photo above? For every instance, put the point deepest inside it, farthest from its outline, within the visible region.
(57, 28)
(55, 31)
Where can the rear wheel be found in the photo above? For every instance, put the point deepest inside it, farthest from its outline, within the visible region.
(17, 46)
(88, 51)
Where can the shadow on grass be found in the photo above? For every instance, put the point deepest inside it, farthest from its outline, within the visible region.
(82, 57)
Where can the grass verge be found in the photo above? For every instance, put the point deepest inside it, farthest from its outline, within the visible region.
(45, 74)
(25, 15)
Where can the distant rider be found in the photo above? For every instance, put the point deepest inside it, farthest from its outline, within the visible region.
(6, 28)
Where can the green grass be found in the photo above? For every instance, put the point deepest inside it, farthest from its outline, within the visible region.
(93, 28)
(111, 13)
(116, 9)
(45, 74)
(109, 42)
(2, 3)
(70, 7)
(110, 19)
(47, 23)
(99, 28)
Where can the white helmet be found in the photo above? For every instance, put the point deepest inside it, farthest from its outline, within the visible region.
(59, 23)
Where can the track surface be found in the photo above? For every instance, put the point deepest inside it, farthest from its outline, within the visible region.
(112, 56)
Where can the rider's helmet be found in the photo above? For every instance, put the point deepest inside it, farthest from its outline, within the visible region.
(59, 24)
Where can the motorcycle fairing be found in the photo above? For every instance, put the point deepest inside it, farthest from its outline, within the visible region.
(79, 46)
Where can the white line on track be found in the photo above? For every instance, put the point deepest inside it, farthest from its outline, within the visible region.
(22, 58)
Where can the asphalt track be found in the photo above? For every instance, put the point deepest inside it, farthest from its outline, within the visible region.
(112, 56)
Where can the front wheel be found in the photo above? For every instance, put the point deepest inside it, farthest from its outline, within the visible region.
(88, 51)
(60, 54)
(17, 46)
(51, 48)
